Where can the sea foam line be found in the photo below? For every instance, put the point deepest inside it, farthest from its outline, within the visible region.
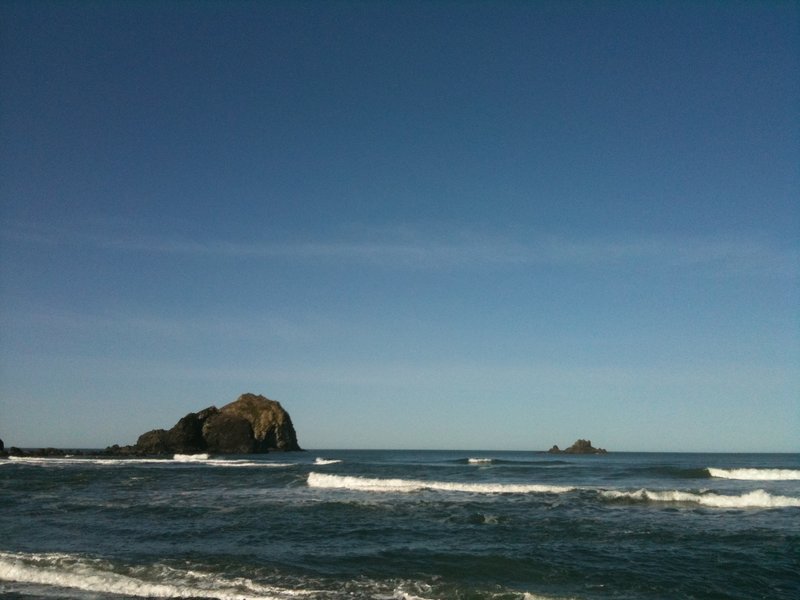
(178, 459)
(96, 575)
(754, 499)
(364, 484)
(756, 474)
(190, 457)
(234, 463)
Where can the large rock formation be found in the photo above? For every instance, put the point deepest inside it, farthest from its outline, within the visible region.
(230, 434)
(579, 447)
(249, 424)
(272, 427)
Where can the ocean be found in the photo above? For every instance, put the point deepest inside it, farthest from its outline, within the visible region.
(406, 525)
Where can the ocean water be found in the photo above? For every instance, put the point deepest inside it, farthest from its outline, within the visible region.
(343, 525)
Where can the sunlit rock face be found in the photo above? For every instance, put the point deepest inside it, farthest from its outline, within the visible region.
(579, 447)
(249, 424)
(272, 425)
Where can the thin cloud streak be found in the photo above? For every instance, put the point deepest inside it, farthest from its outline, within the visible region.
(463, 377)
(72, 325)
(727, 256)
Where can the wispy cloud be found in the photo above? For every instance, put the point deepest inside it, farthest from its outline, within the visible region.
(724, 255)
(215, 329)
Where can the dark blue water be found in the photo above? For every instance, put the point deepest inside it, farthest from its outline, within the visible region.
(407, 525)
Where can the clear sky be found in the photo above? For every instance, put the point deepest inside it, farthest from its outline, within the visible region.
(497, 225)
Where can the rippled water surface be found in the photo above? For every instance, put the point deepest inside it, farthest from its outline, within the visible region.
(400, 524)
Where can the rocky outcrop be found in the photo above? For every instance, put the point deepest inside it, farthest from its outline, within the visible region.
(43, 452)
(3, 453)
(230, 434)
(249, 424)
(272, 426)
(579, 447)
(154, 442)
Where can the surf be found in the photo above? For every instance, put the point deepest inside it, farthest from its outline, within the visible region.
(94, 575)
(188, 460)
(366, 484)
(756, 474)
(190, 457)
(480, 461)
(754, 499)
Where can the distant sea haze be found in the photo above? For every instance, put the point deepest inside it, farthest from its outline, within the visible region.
(412, 525)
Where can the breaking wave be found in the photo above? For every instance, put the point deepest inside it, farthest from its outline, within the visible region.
(485, 460)
(326, 461)
(364, 484)
(754, 499)
(756, 474)
(155, 581)
(237, 462)
(190, 457)
(61, 571)
(178, 459)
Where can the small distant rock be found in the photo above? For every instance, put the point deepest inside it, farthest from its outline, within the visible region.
(579, 447)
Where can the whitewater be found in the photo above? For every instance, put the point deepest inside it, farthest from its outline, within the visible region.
(405, 525)
(757, 474)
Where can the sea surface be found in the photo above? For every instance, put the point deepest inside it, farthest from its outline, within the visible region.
(406, 525)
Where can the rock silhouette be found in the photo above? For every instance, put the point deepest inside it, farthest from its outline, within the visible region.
(251, 423)
(579, 447)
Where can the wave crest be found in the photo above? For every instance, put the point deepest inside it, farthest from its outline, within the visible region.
(364, 484)
(190, 457)
(178, 459)
(756, 474)
(156, 581)
(754, 499)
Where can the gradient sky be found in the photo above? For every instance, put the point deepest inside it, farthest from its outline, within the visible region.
(472, 225)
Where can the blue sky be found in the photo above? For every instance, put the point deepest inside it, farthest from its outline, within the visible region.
(475, 225)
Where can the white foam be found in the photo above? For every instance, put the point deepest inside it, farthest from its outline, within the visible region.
(57, 462)
(754, 499)
(326, 461)
(181, 459)
(190, 457)
(480, 461)
(529, 596)
(95, 575)
(756, 474)
(221, 462)
(364, 484)
(400, 594)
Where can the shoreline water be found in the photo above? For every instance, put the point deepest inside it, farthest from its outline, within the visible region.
(413, 525)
